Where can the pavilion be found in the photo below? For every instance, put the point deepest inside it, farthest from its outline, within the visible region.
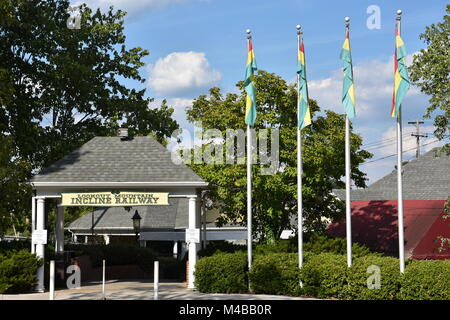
(116, 172)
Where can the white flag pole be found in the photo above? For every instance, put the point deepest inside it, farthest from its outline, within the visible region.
(249, 182)
(249, 196)
(299, 170)
(348, 208)
(401, 241)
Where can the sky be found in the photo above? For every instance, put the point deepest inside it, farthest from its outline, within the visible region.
(197, 44)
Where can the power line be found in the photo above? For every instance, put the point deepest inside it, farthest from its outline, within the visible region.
(425, 144)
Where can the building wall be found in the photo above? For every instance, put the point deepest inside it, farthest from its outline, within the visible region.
(374, 224)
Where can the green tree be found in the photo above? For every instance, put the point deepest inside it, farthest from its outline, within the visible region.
(15, 192)
(59, 87)
(68, 83)
(274, 196)
(430, 71)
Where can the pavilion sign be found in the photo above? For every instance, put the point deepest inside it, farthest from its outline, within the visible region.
(110, 199)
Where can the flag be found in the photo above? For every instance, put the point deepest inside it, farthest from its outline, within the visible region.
(303, 113)
(250, 104)
(348, 91)
(401, 78)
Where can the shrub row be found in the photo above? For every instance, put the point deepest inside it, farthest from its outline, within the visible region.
(18, 271)
(324, 275)
(313, 243)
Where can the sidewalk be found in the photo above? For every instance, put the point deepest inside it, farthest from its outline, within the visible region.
(140, 290)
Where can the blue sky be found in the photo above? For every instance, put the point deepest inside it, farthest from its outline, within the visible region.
(197, 44)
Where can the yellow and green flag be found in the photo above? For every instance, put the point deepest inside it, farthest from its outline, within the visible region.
(348, 91)
(303, 113)
(250, 104)
(401, 78)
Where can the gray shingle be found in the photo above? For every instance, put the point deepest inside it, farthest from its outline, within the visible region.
(425, 178)
(111, 159)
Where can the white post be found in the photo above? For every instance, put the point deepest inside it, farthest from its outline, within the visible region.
(249, 197)
(40, 248)
(193, 247)
(401, 240)
(299, 198)
(103, 280)
(348, 208)
(59, 230)
(156, 280)
(299, 173)
(52, 281)
(33, 221)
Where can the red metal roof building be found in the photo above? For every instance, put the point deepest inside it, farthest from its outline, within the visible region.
(426, 185)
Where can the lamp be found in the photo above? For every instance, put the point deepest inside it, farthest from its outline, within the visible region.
(136, 223)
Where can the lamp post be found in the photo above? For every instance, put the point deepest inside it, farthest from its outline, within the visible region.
(136, 224)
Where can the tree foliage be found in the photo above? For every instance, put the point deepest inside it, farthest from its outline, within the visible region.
(430, 71)
(274, 196)
(60, 87)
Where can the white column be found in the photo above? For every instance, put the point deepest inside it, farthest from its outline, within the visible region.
(40, 248)
(33, 221)
(59, 230)
(193, 247)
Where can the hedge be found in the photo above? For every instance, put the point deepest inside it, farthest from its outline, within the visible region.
(18, 271)
(276, 273)
(324, 275)
(313, 243)
(389, 278)
(222, 273)
(426, 280)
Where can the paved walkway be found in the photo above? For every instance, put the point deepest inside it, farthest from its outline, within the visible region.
(140, 290)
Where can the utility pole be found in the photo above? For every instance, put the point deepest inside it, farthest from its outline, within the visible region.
(417, 135)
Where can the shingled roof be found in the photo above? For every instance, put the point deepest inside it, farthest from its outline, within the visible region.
(114, 159)
(424, 178)
(171, 217)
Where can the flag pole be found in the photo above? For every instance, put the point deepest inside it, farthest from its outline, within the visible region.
(348, 209)
(401, 241)
(249, 184)
(299, 169)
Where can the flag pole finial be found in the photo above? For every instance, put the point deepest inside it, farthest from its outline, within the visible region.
(249, 33)
(399, 12)
(347, 22)
(299, 29)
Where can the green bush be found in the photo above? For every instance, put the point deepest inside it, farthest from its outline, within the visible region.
(18, 271)
(426, 280)
(214, 247)
(316, 243)
(276, 273)
(222, 273)
(14, 245)
(325, 276)
(358, 278)
(280, 246)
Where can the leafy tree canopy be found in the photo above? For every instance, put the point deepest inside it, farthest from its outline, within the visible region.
(430, 71)
(274, 196)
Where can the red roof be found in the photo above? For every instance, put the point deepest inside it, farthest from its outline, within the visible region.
(374, 223)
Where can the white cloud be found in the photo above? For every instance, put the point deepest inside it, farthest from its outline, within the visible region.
(182, 74)
(373, 88)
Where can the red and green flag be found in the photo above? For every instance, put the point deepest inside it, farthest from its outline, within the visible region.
(250, 104)
(303, 113)
(401, 78)
(348, 91)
